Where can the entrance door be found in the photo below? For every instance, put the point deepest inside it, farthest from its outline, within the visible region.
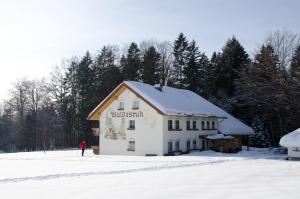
(170, 147)
(204, 147)
(188, 145)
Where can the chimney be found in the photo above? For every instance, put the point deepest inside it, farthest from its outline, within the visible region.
(158, 87)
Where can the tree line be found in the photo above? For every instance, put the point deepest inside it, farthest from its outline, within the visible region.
(262, 91)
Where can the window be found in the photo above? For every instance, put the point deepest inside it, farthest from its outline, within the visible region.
(121, 105)
(135, 105)
(131, 145)
(296, 149)
(170, 147)
(194, 144)
(131, 125)
(207, 125)
(188, 145)
(194, 125)
(213, 125)
(177, 146)
(177, 127)
(202, 125)
(170, 125)
(188, 125)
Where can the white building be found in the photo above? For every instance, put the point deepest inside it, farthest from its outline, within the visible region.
(292, 142)
(140, 119)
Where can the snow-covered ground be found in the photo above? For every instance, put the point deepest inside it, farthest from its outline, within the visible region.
(66, 175)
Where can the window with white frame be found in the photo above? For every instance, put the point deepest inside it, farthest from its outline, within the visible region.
(121, 105)
(131, 125)
(188, 125)
(136, 105)
(131, 145)
(296, 149)
(170, 125)
(194, 125)
(213, 125)
(207, 124)
(202, 125)
(177, 125)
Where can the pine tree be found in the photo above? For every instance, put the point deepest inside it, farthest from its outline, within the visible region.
(262, 94)
(206, 75)
(151, 65)
(180, 60)
(211, 75)
(295, 64)
(85, 81)
(131, 65)
(294, 91)
(105, 60)
(233, 61)
(71, 103)
(191, 72)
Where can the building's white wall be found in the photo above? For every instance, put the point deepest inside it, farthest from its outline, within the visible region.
(185, 134)
(147, 134)
(292, 152)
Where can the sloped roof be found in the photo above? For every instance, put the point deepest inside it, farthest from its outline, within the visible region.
(291, 139)
(181, 102)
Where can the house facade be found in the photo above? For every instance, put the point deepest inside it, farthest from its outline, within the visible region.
(140, 119)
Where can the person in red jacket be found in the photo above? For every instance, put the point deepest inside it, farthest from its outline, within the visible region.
(83, 146)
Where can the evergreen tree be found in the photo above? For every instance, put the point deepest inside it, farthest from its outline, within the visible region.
(72, 104)
(262, 94)
(151, 65)
(233, 61)
(7, 130)
(180, 60)
(210, 74)
(105, 61)
(294, 91)
(206, 75)
(131, 65)
(191, 72)
(295, 64)
(84, 77)
(112, 77)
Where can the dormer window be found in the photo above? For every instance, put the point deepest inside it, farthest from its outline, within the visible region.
(135, 105)
(121, 105)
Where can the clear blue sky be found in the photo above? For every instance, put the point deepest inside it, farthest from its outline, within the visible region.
(35, 35)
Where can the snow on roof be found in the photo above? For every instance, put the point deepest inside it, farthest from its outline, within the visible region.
(291, 139)
(181, 102)
(219, 136)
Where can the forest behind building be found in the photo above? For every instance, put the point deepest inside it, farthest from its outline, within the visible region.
(262, 90)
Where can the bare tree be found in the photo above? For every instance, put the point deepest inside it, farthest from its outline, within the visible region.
(146, 44)
(284, 43)
(165, 50)
(55, 85)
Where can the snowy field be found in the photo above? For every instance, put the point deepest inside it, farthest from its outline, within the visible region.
(66, 175)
